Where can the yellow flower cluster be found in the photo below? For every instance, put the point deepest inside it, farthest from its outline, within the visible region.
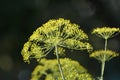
(103, 55)
(31, 50)
(58, 32)
(106, 32)
(77, 45)
(61, 51)
(49, 69)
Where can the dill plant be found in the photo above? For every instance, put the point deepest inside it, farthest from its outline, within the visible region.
(49, 70)
(105, 54)
(55, 35)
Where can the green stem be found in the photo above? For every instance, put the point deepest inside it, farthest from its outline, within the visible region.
(105, 44)
(103, 62)
(59, 65)
(102, 70)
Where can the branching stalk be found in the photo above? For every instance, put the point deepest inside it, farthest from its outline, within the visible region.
(59, 64)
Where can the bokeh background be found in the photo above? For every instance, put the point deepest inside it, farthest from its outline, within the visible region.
(19, 18)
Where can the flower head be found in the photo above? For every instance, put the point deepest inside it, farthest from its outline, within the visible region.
(106, 32)
(103, 55)
(49, 68)
(61, 33)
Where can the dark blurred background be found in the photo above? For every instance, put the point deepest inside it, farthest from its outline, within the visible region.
(19, 18)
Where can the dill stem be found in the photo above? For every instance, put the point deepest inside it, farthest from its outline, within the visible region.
(102, 70)
(103, 62)
(59, 64)
(105, 44)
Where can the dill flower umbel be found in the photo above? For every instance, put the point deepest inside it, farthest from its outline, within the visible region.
(49, 70)
(58, 33)
(106, 32)
(103, 55)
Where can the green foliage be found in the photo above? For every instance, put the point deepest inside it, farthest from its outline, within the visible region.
(48, 70)
(61, 33)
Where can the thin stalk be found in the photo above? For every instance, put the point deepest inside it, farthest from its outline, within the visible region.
(59, 64)
(105, 44)
(102, 70)
(103, 62)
